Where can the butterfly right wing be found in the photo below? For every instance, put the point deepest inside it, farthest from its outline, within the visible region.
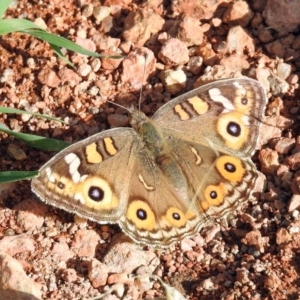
(90, 178)
(112, 178)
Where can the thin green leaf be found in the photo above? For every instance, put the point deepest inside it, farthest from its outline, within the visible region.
(58, 52)
(28, 27)
(65, 43)
(36, 141)
(13, 25)
(3, 7)
(10, 176)
(9, 110)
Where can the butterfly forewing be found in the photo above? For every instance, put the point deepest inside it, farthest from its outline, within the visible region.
(92, 177)
(225, 115)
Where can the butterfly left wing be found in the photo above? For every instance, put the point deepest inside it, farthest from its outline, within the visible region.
(211, 133)
(218, 183)
(224, 114)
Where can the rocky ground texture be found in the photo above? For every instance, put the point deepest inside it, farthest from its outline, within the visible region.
(46, 253)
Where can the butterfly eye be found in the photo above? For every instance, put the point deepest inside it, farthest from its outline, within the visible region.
(96, 193)
(215, 194)
(230, 168)
(234, 129)
(141, 215)
(61, 185)
(244, 101)
(176, 217)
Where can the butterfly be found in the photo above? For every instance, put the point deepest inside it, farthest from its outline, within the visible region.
(167, 176)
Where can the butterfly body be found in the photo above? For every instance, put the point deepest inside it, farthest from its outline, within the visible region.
(168, 176)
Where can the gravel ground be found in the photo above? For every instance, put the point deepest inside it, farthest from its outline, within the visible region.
(46, 253)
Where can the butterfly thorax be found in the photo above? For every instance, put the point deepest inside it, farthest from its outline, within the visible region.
(150, 134)
(157, 147)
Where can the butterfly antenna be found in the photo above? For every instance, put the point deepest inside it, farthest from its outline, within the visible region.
(114, 103)
(141, 90)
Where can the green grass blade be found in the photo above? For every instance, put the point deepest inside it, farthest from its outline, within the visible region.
(58, 52)
(28, 27)
(12, 25)
(9, 110)
(36, 141)
(3, 7)
(64, 43)
(10, 176)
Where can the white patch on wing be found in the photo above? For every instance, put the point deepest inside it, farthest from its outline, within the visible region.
(49, 175)
(74, 162)
(216, 95)
(240, 87)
